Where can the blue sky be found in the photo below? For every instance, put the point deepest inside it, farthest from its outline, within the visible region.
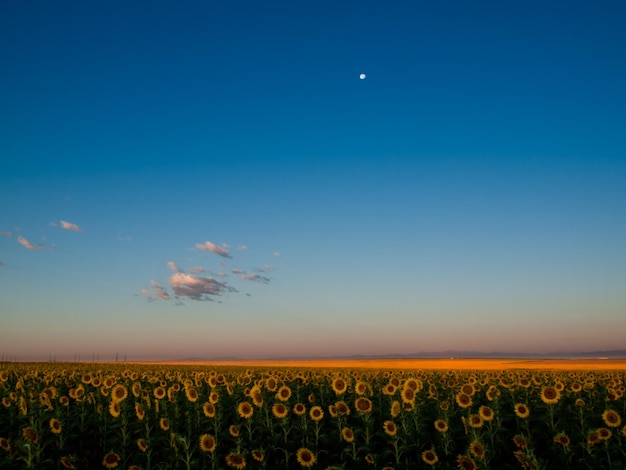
(206, 180)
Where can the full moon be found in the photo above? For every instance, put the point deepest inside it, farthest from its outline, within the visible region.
(362, 76)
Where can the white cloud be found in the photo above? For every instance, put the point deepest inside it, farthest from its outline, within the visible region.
(218, 250)
(6, 234)
(25, 243)
(242, 247)
(276, 253)
(69, 226)
(198, 288)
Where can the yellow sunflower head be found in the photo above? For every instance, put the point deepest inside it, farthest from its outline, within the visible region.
(305, 457)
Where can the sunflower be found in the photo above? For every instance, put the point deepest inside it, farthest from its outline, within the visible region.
(208, 409)
(66, 463)
(258, 455)
(159, 393)
(363, 405)
(441, 425)
(429, 457)
(142, 444)
(485, 413)
(369, 458)
(316, 413)
(139, 411)
(408, 396)
(4, 444)
(164, 423)
(415, 384)
(233, 430)
(271, 384)
(191, 394)
(299, 409)
(284, 393)
(468, 389)
(390, 428)
(119, 393)
(311, 398)
(279, 410)
(520, 441)
(115, 409)
(347, 434)
(611, 418)
(207, 443)
(593, 438)
(604, 434)
(305, 457)
(257, 396)
(550, 395)
(332, 409)
(463, 400)
(55, 426)
(579, 402)
(235, 461)
(111, 460)
(475, 421)
(245, 410)
(339, 385)
(342, 408)
(214, 397)
(521, 410)
(477, 450)
(493, 392)
(6, 402)
(395, 409)
(30, 435)
(361, 388)
(389, 389)
(444, 405)
(562, 439)
(465, 463)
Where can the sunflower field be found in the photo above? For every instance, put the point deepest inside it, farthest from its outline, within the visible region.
(65, 416)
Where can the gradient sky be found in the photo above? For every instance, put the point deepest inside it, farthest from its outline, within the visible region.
(210, 179)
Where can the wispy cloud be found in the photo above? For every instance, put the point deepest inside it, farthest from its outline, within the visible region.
(198, 288)
(172, 266)
(6, 234)
(159, 291)
(69, 226)
(242, 247)
(222, 250)
(256, 277)
(197, 270)
(25, 243)
(276, 253)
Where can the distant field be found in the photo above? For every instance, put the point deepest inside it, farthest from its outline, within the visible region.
(436, 364)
